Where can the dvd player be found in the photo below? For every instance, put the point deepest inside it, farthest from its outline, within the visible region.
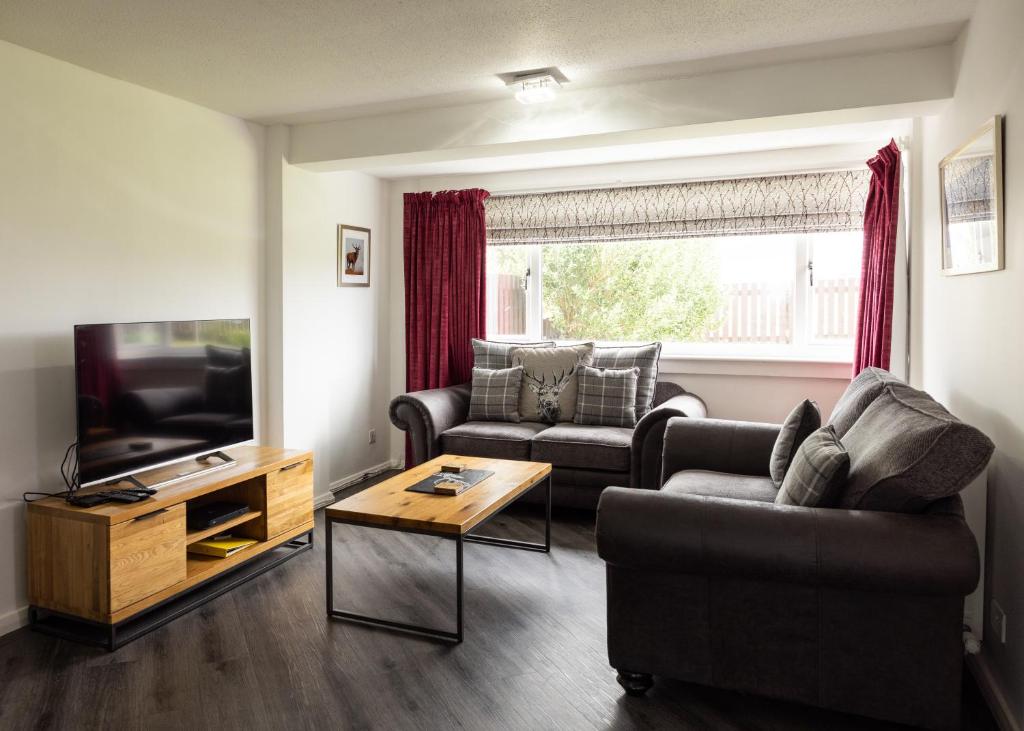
(200, 517)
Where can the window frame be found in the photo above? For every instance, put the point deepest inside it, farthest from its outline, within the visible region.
(803, 349)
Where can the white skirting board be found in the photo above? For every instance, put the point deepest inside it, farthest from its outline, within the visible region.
(993, 693)
(338, 485)
(13, 620)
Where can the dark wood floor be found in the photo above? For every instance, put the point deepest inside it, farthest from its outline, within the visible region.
(265, 657)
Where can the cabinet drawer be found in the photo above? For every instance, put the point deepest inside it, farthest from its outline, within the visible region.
(289, 497)
(147, 555)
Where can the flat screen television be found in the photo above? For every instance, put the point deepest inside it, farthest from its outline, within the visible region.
(152, 393)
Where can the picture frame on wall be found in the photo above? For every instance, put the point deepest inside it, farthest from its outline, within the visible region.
(353, 256)
(971, 200)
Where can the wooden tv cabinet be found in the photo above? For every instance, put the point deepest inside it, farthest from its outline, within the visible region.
(110, 573)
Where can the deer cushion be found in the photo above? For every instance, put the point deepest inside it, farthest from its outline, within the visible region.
(550, 380)
(606, 396)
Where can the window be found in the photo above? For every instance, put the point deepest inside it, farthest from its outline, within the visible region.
(772, 295)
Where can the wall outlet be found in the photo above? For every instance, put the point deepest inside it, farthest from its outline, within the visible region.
(998, 622)
(373, 436)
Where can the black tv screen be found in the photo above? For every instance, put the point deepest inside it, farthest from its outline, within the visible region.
(149, 393)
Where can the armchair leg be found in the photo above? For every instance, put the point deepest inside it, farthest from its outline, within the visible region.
(635, 684)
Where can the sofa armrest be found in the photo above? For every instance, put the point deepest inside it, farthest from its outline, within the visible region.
(719, 445)
(424, 415)
(649, 435)
(863, 550)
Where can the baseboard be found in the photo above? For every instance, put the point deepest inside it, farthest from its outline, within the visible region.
(993, 692)
(12, 620)
(339, 485)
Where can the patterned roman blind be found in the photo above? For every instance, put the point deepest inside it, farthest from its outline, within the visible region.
(803, 203)
(967, 185)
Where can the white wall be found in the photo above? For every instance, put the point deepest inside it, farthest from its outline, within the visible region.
(968, 345)
(116, 203)
(329, 344)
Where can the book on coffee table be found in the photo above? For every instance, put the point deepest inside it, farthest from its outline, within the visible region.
(450, 483)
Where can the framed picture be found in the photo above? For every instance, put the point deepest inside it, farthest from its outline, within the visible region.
(971, 198)
(353, 256)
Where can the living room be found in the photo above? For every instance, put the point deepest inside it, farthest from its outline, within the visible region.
(691, 174)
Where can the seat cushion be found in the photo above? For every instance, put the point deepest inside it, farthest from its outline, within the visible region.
(906, 451)
(586, 447)
(503, 440)
(862, 390)
(721, 484)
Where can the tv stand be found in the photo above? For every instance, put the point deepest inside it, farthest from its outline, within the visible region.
(108, 574)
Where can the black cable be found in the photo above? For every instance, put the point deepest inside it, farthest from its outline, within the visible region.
(68, 473)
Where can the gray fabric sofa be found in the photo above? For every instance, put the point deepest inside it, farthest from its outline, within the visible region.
(585, 459)
(856, 608)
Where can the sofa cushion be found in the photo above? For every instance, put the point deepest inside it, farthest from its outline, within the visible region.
(549, 386)
(606, 396)
(907, 451)
(818, 473)
(643, 357)
(502, 440)
(802, 420)
(495, 394)
(492, 354)
(587, 447)
(721, 484)
(862, 390)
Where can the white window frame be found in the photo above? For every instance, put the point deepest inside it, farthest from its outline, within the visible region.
(802, 349)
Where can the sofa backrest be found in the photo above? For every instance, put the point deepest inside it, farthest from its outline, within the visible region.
(862, 390)
(907, 451)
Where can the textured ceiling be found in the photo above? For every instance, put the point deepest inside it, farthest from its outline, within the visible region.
(268, 59)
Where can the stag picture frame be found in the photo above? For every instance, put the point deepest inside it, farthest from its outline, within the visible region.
(353, 256)
(971, 199)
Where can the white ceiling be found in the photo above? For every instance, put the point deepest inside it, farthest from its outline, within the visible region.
(272, 60)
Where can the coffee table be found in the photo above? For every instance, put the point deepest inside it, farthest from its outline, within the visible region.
(388, 506)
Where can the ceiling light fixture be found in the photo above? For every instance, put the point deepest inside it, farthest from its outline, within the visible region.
(538, 90)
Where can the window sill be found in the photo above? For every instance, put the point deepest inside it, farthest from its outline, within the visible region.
(757, 365)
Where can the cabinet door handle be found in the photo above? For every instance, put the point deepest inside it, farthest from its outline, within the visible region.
(147, 516)
(291, 466)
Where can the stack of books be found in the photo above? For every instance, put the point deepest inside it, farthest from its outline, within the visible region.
(221, 546)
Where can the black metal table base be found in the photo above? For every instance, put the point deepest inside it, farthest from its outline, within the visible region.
(113, 636)
(460, 540)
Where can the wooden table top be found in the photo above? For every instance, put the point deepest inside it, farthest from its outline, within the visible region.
(388, 504)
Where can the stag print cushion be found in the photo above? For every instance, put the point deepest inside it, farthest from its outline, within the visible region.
(607, 396)
(495, 394)
(492, 354)
(548, 393)
(644, 357)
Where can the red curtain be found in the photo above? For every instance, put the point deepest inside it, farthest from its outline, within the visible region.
(445, 285)
(881, 216)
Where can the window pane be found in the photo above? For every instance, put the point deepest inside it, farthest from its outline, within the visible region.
(506, 293)
(833, 301)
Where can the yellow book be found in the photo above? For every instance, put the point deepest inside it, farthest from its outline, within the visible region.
(221, 548)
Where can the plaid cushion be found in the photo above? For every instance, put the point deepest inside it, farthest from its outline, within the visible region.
(495, 394)
(492, 355)
(644, 357)
(607, 396)
(818, 472)
(802, 420)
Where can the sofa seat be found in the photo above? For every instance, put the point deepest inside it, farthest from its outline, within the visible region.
(584, 447)
(721, 484)
(498, 439)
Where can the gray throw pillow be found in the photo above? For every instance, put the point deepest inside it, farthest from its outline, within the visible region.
(606, 396)
(495, 394)
(802, 420)
(548, 393)
(492, 354)
(818, 473)
(643, 357)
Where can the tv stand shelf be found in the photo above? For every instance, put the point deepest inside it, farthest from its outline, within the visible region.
(109, 565)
